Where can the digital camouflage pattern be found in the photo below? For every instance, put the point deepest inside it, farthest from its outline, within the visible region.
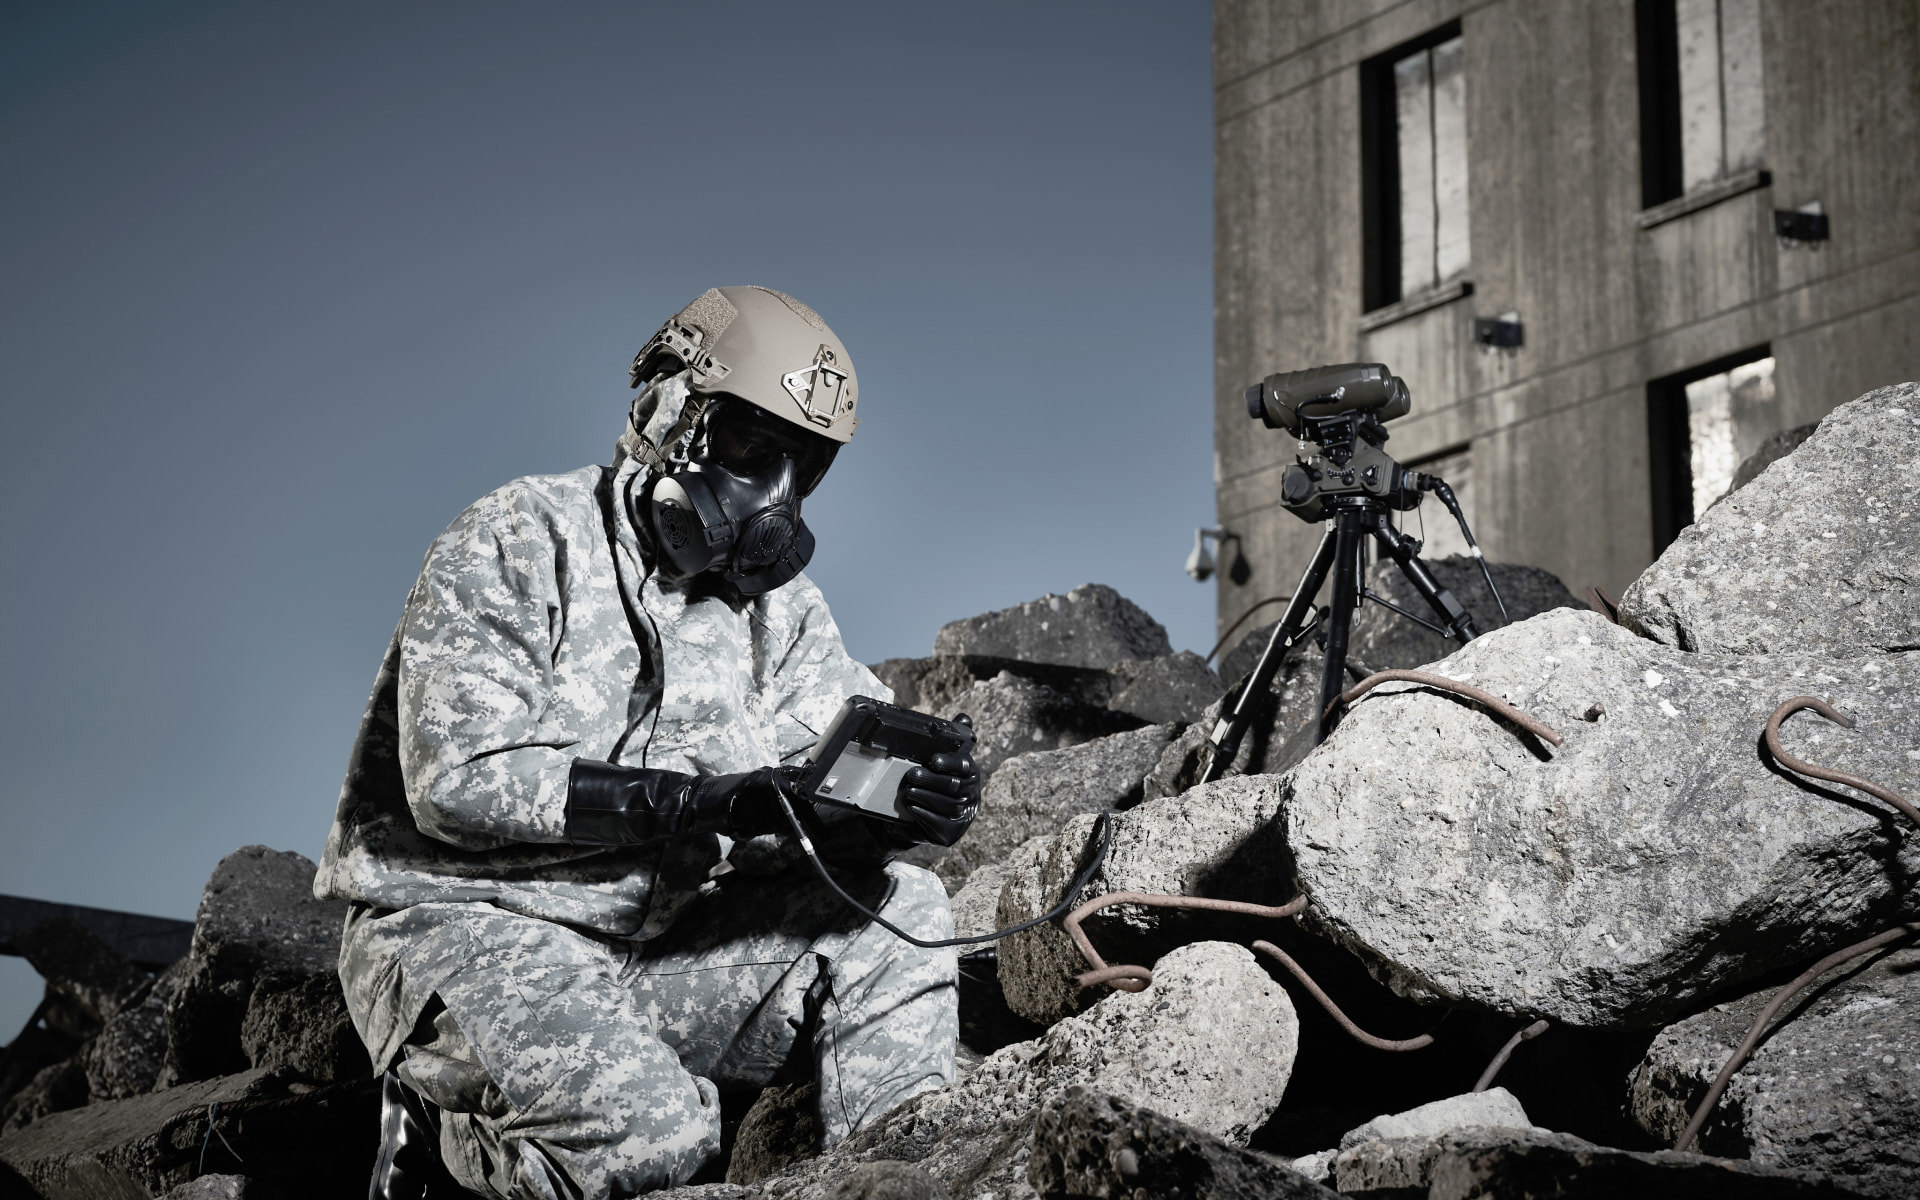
(573, 1065)
(537, 633)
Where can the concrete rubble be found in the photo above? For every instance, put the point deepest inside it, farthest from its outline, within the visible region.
(1834, 1087)
(1618, 879)
(1644, 887)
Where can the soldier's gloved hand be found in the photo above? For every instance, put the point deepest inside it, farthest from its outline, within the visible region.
(942, 796)
(609, 805)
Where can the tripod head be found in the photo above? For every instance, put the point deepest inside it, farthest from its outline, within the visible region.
(1341, 411)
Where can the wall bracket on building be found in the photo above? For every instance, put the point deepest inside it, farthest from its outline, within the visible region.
(1807, 224)
(1503, 332)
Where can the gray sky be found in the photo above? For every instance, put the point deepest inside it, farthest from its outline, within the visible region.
(285, 287)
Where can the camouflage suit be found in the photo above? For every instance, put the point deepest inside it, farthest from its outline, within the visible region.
(575, 1009)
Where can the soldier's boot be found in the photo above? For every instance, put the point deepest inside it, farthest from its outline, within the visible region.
(409, 1166)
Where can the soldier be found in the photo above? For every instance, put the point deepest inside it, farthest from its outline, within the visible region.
(577, 916)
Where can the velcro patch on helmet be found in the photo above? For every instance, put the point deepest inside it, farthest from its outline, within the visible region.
(711, 312)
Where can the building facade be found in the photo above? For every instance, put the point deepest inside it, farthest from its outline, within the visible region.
(1698, 219)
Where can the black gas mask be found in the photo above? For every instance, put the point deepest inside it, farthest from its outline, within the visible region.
(734, 508)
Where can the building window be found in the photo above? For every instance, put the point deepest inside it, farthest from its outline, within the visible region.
(1413, 133)
(1700, 94)
(1701, 424)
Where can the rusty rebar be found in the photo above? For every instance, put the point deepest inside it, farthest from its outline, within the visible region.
(1127, 978)
(1141, 977)
(1801, 766)
(1333, 1010)
(1603, 604)
(1788, 708)
(1506, 1052)
(1499, 706)
(1785, 994)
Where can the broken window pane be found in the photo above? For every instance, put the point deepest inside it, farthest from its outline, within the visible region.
(1727, 416)
(1430, 129)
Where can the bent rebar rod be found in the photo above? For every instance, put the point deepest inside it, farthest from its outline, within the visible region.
(1786, 709)
(1491, 701)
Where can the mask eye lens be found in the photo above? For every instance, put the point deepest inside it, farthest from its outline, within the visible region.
(742, 437)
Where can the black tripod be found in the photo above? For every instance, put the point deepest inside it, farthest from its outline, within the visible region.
(1350, 517)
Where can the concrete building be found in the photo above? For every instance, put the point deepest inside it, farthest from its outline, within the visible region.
(1421, 182)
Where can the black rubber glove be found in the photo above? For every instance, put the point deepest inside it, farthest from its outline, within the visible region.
(942, 796)
(622, 806)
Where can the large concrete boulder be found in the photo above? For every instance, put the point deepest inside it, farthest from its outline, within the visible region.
(128, 1055)
(1210, 1044)
(1833, 1088)
(1219, 840)
(1173, 687)
(1087, 1143)
(301, 1143)
(1816, 555)
(1656, 857)
(1090, 626)
(1282, 729)
(1013, 716)
(933, 684)
(256, 915)
(1491, 1163)
(1036, 793)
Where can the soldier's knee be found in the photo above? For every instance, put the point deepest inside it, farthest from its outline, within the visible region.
(917, 902)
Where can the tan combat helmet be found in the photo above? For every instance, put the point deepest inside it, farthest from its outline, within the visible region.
(766, 348)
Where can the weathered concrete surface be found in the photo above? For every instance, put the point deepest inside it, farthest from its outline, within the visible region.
(299, 1022)
(1219, 840)
(1088, 1143)
(1534, 1164)
(1036, 793)
(1173, 687)
(1211, 1043)
(257, 914)
(1495, 1106)
(1835, 1088)
(1014, 716)
(933, 684)
(1819, 554)
(1090, 626)
(1651, 860)
(317, 1143)
(1281, 732)
(782, 1128)
(129, 1053)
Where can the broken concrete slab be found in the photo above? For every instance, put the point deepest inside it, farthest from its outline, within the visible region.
(1816, 556)
(1014, 716)
(1036, 793)
(1831, 1088)
(1219, 840)
(1534, 1164)
(1088, 1143)
(1090, 626)
(303, 1141)
(257, 914)
(1612, 882)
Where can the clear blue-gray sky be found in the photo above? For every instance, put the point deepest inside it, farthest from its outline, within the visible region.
(285, 287)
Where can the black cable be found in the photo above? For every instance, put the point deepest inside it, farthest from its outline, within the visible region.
(1103, 823)
(1438, 487)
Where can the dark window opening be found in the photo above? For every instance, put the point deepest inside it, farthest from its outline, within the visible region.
(1385, 239)
(1700, 423)
(1657, 39)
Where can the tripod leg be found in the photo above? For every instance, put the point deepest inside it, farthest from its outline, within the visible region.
(1458, 621)
(1224, 742)
(1347, 527)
